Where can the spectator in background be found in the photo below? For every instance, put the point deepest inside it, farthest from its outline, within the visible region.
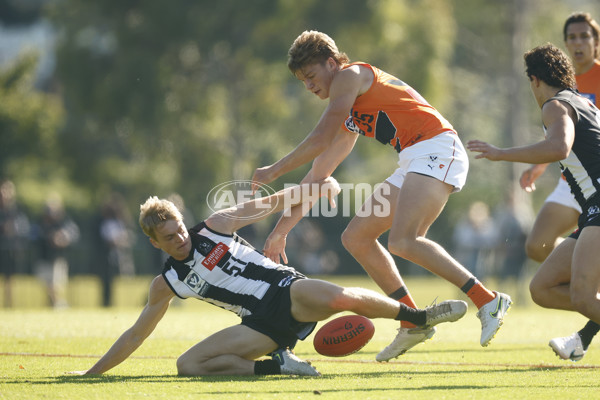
(55, 234)
(117, 238)
(14, 232)
(475, 238)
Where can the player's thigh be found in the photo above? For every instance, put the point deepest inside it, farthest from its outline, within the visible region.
(553, 220)
(238, 340)
(375, 215)
(585, 271)
(420, 201)
(556, 269)
(315, 300)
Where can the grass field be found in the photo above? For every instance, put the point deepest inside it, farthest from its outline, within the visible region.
(39, 346)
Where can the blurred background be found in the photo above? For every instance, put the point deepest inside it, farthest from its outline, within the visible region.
(104, 103)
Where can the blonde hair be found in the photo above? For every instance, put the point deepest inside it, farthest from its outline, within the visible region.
(313, 47)
(155, 212)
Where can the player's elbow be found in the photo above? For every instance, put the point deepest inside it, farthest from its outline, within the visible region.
(319, 143)
(560, 151)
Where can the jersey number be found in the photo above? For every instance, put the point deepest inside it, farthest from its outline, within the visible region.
(230, 268)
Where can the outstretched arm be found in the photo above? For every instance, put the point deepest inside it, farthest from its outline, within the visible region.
(231, 219)
(323, 166)
(559, 119)
(343, 92)
(158, 302)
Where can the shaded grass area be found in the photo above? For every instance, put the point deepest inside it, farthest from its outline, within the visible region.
(39, 346)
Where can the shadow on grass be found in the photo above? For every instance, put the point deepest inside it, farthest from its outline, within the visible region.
(402, 375)
(317, 385)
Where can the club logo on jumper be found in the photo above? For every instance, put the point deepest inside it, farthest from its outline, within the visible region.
(236, 193)
(352, 127)
(204, 248)
(287, 281)
(213, 258)
(193, 281)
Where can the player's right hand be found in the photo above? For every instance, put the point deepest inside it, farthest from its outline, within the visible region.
(330, 188)
(261, 176)
(275, 248)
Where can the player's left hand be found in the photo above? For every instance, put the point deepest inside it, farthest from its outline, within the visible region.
(486, 150)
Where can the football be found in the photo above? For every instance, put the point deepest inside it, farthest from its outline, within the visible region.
(343, 336)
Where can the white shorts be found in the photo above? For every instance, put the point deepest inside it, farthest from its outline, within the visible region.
(562, 195)
(442, 157)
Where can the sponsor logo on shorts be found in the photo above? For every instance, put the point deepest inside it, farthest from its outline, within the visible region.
(287, 281)
(592, 213)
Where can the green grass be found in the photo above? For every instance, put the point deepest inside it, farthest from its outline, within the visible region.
(39, 346)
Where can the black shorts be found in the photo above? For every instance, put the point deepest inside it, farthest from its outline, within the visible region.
(274, 319)
(590, 215)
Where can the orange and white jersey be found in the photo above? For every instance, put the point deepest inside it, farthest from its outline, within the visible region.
(394, 113)
(588, 84)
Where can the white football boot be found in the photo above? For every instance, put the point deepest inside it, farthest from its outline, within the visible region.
(492, 316)
(569, 347)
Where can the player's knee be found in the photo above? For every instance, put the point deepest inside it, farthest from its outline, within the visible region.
(352, 241)
(534, 291)
(181, 366)
(342, 300)
(400, 246)
(186, 368)
(538, 292)
(536, 250)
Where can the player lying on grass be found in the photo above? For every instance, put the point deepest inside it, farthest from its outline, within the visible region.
(277, 304)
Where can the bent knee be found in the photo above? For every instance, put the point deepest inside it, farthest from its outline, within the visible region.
(537, 293)
(345, 299)
(401, 247)
(537, 250)
(355, 242)
(182, 367)
(187, 367)
(348, 239)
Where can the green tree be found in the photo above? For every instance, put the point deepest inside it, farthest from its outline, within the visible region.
(30, 121)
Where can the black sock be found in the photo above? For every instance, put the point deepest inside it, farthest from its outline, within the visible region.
(266, 367)
(588, 332)
(414, 315)
(467, 286)
(398, 294)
